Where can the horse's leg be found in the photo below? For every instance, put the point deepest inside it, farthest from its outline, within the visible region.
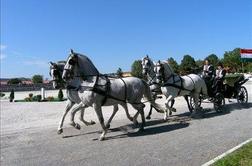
(172, 103)
(112, 116)
(150, 112)
(98, 111)
(188, 104)
(124, 105)
(68, 107)
(169, 98)
(83, 120)
(77, 108)
(140, 109)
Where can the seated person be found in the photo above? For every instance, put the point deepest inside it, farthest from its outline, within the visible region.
(219, 78)
(208, 74)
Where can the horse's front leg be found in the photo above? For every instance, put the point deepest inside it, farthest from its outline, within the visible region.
(169, 98)
(98, 111)
(150, 112)
(68, 107)
(112, 116)
(83, 120)
(75, 109)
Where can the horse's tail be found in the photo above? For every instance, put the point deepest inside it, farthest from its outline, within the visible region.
(150, 98)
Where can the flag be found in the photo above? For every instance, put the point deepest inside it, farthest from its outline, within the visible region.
(246, 55)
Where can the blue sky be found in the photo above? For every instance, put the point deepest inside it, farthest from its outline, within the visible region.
(114, 33)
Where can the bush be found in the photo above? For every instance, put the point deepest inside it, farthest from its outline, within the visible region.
(60, 95)
(12, 96)
(2, 94)
(30, 95)
(37, 98)
(28, 99)
(50, 98)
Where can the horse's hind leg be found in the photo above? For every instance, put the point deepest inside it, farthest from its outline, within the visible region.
(83, 120)
(140, 109)
(169, 98)
(112, 116)
(98, 111)
(188, 104)
(150, 112)
(68, 107)
(127, 111)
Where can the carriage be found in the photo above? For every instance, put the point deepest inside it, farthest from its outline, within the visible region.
(231, 88)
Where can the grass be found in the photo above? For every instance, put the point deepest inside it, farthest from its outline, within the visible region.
(240, 157)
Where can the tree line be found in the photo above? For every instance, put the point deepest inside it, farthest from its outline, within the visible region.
(231, 61)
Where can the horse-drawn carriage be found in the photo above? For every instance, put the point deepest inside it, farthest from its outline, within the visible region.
(231, 88)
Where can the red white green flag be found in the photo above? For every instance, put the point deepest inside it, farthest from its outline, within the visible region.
(246, 55)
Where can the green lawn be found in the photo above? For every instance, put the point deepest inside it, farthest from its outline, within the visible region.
(240, 157)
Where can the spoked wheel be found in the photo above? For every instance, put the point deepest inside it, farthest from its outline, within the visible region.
(242, 96)
(192, 104)
(219, 102)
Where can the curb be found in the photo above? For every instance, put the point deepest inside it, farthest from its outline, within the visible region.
(226, 153)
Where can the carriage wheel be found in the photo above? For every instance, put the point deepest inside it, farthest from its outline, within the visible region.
(192, 104)
(219, 102)
(242, 96)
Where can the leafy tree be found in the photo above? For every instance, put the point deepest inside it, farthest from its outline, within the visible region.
(200, 63)
(37, 79)
(60, 95)
(14, 81)
(173, 64)
(232, 59)
(119, 72)
(187, 65)
(213, 59)
(12, 96)
(136, 69)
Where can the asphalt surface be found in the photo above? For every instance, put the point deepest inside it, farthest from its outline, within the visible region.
(28, 136)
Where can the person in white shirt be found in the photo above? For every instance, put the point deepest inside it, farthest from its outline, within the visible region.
(219, 77)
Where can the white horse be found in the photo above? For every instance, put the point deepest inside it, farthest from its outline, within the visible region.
(56, 70)
(98, 90)
(173, 85)
(148, 70)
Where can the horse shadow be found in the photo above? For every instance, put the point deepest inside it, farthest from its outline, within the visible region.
(227, 109)
(152, 127)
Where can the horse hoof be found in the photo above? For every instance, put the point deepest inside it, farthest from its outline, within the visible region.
(108, 126)
(60, 131)
(148, 117)
(77, 126)
(141, 129)
(135, 123)
(170, 113)
(101, 138)
(174, 110)
(92, 122)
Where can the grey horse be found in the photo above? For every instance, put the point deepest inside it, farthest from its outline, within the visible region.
(98, 90)
(172, 85)
(56, 70)
(148, 70)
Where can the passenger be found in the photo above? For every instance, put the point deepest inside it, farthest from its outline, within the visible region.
(219, 78)
(208, 76)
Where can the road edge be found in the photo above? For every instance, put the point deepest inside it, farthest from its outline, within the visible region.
(226, 153)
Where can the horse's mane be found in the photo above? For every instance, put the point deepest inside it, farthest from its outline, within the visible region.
(167, 67)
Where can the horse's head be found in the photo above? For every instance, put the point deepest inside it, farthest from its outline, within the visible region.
(159, 71)
(146, 65)
(56, 74)
(68, 72)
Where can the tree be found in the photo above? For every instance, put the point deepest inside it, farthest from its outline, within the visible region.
(232, 59)
(37, 79)
(136, 69)
(187, 65)
(173, 64)
(12, 96)
(213, 59)
(60, 95)
(14, 81)
(119, 72)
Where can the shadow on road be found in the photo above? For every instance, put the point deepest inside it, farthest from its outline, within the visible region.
(210, 113)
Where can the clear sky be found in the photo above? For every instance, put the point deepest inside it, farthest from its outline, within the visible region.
(114, 33)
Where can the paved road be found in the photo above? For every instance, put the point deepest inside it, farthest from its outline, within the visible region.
(28, 136)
